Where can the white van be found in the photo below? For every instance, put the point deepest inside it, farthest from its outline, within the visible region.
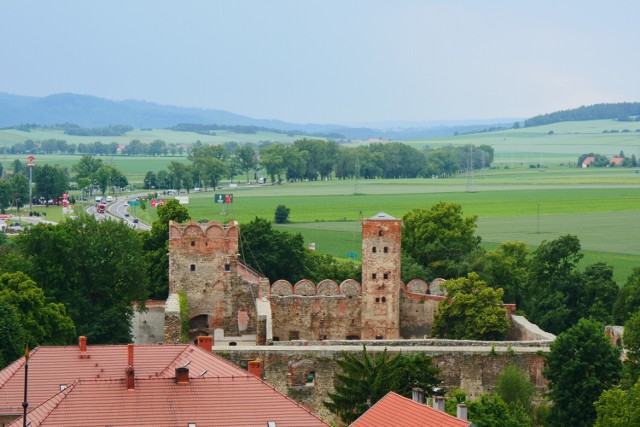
(109, 199)
(98, 199)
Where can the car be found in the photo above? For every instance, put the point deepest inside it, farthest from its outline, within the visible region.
(126, 214)
(135, 220)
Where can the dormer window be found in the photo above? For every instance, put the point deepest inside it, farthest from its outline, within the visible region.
(193, 243)
(380, 233)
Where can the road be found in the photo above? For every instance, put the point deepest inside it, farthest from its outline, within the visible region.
(119, 210)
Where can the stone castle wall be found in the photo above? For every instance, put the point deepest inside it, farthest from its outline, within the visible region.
(474, 369)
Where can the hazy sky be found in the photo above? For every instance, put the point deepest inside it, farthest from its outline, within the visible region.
(342, 61)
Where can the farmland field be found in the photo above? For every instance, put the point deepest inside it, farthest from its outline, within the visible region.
(515, 200)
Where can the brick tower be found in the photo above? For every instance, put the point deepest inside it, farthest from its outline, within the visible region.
(381, 277)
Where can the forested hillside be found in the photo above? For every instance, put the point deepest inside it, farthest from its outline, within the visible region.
(625, 111)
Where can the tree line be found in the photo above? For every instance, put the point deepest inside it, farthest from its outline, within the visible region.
(315, 159)
(624, 111)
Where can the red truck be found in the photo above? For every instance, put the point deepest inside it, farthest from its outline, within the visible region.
(101, 208)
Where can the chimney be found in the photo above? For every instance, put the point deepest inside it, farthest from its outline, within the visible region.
(82, 344)
(461, 411)
(438, 403)
(206, 343)
(417, 394)
(182, 375)
(130, 355)
(130, 379)
(255, 368)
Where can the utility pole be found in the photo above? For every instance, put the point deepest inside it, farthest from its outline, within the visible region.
(30, 164)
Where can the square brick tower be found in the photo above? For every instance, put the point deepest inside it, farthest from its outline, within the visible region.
(381, 281)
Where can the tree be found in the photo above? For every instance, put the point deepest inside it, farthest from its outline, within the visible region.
(417, 370)
(363, 381)
(618, 408)
(97, 270)
(43, 323)
(86, 167)
(272, 159)
(276, 254)
(11, 334)
(559, 294)
(631, 343)
(50, 182)
(440, 238)
(282, 214)
(471, 310)
(324, 266)
(490, 410)
(628, 299)
(580, 366)
(247, 158)
(155, 245)
(507, 267)
(19, 190)
(150, 180)
(515, 388)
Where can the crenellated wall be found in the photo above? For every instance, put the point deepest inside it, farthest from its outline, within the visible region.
(203, 263)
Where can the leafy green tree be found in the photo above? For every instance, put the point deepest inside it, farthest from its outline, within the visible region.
(11, 334)
(472, 310)
(558, 294)
(580, 366)
(281, 215)
(50, 182)
(324, 266)
(19, 190)
(515, 387)
(417, 370)
(618, 408)
(628, 299)
(507, 267)
(42, 322)
(156, 248)
(272, 159)
(211, 163)
(6, 194)
(97, 270)
(631, 343)
(150, 180)
(247, 158)
(276, 254)
(86, 167)
(440, 238)
(363, 381)
(490, 410)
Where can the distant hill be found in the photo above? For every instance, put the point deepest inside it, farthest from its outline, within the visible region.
(624, 111)
(92, 112)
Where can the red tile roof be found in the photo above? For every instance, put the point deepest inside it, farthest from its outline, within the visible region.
(50, 367)
(394, 410)
(209, 401)
(616, 160)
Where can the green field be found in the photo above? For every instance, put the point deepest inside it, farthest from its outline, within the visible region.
(513, 201)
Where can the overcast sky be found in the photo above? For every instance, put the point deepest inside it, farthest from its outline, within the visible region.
(342, 61)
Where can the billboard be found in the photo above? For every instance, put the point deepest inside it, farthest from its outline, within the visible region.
(224, 198)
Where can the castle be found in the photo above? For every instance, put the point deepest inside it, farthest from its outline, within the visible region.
(233, 303)
(298, 331)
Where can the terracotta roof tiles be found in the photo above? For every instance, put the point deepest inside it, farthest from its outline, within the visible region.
(394, 410)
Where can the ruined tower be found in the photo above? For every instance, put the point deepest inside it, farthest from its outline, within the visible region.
(203, 263)
(381, 281)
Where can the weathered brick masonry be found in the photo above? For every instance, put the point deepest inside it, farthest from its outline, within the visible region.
(306, 372)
